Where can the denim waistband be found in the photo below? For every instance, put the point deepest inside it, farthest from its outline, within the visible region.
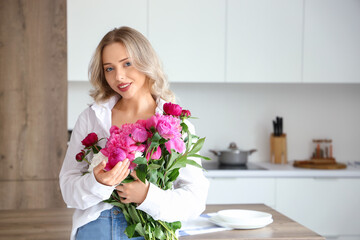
(114, 212)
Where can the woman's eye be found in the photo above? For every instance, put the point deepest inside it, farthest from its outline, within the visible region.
(127, 64)
(109, 69)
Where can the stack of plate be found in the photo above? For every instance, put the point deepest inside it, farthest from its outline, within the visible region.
(241, 219)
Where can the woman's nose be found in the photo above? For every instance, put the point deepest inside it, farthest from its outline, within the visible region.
(120, 75)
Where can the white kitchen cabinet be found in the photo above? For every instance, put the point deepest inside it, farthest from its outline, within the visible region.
(241, 190)
(328, 206)
(189, 37)
(264, 41)
(89, 20)
(332, 41)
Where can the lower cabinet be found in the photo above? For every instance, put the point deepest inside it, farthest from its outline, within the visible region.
(327, 206)
(242, 190)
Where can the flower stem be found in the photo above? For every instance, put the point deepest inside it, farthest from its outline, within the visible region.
(172, 233)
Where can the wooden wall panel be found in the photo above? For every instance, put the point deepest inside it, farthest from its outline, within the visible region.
(33, 97)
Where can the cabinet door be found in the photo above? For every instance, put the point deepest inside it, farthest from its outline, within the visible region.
(242, 190)
(189, 37)
(330, 207)
(89, 20)
(264, 41)
(332, 41)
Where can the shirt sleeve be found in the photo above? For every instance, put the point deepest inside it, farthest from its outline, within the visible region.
(78, 190)
(187, 200)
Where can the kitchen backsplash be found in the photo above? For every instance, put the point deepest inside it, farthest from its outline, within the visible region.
(244, 112)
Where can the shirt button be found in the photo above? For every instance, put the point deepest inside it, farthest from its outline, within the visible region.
(116, 212)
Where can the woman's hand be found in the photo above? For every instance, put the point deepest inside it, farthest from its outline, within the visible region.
(133, 192)
(113, 177)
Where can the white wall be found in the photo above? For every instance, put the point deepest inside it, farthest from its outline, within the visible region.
(244, 112)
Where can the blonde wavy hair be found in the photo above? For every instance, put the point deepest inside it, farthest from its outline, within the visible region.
(143, 58)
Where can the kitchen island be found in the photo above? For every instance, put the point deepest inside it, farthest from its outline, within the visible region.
(56, 224)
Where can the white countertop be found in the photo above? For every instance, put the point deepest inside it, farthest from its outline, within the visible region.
(281, 171)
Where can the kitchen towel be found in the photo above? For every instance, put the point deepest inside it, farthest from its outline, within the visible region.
(199, 225)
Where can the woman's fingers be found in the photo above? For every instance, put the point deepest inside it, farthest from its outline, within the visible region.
(113, 177)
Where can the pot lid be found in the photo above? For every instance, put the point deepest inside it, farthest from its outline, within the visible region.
(233, 148)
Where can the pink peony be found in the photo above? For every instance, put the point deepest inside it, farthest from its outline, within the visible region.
(172, 109)
(168, 126)
(156, 155)
(152, 122)
(139, 134)
(115, 156)
(90, 140)
(177, 144)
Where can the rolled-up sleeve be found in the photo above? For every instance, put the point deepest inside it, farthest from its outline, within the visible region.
(78, 190)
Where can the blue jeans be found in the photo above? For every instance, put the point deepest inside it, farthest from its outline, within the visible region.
(110, 225)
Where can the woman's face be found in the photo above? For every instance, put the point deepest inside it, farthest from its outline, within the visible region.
(120, 74)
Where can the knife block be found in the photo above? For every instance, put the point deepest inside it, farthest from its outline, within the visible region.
(278, 151)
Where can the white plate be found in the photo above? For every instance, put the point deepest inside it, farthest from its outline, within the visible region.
(218, 221)
(244, 217)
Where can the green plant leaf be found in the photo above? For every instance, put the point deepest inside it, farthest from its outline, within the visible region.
(133, 214)
(184, 127)
(179, 163)
(141, 171)
(192, 162)
(139, 229)
(156, 138)
(198, 145)
(175, 225)
(153, 166)
(140, 160)
(153, 176)
(198, 156)
(130, 230)
(174, 174)
(159, 234)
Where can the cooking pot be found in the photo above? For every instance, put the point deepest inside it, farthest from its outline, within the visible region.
(233, 155)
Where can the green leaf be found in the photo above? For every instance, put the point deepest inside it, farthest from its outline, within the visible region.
(141, 172)
(198, 156)
(153, 176)
(173, 175)
(153, 166)
(198, 145)
(156, 137)
(139, 229)
(175, 225)
(128, 179)
(184, 127)
(133, 214)
(130, 230)
(192, 162)
(168, 185)
(159, 234)
(140, 160)
(179, 163)
(173, 157)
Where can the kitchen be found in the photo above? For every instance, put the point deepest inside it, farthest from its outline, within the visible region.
(284, 60)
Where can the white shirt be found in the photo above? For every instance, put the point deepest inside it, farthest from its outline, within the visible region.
(187, 200)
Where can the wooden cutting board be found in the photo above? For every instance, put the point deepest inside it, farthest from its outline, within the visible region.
(319, 164)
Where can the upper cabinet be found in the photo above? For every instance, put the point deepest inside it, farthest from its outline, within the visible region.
(264, 40)
(332, 41)
(252, 41)
(89, 20)
(189, 37)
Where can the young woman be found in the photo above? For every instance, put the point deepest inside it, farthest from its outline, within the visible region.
(129, 85)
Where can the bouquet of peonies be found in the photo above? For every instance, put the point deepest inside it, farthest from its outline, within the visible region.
(157, 148)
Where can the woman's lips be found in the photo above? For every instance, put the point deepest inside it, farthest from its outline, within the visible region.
(124, 87)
